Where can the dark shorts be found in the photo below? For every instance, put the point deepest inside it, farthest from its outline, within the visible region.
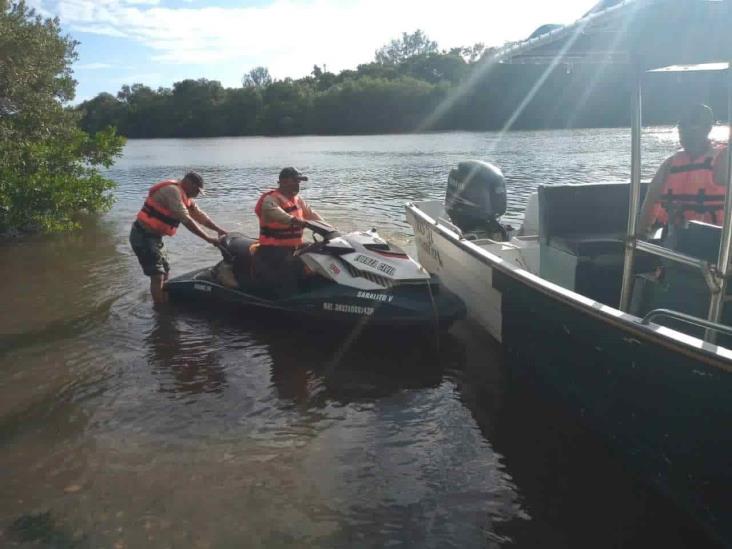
(150, 251)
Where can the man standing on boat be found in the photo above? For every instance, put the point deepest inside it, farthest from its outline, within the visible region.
(282, 214)
(168, 204)
(689, 184)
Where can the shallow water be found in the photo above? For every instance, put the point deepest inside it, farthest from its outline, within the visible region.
(123, 426)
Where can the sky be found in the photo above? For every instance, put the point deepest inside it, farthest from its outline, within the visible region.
(159, 42)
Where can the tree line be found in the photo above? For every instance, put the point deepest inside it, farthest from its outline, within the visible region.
(411, 85)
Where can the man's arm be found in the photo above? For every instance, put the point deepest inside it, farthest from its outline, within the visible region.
(200, 216)
(309, 213)
(652, 196)
(195, 229)
(170, 198)
(272, 213)
(721, 168)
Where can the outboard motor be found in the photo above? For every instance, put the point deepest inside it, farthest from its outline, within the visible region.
(476, 197)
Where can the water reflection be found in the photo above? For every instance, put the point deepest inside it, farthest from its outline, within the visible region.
(313, 370)
(184, 356)
(312, 364)
(48, 282)
(368, 422)
(573, 489)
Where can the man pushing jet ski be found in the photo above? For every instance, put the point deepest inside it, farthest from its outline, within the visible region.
(356, 277)
(168, 204)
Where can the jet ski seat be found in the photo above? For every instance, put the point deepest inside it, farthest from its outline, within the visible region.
(238, 251)
(223, 273)
(253, 274)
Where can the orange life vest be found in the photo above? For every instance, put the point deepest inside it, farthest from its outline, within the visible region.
(690, 192)
(156, 217)
(280, 234)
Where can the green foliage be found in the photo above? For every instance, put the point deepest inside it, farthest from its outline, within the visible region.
(35, 75)
(411, 87)
(394, 94)
(376, 105)
(196, 107)
(46, 184)
(286, 109)
(258, 77)
(48, 166)
(145, 111)
(409, 45)
(240, 109)
(323, 79)
(102, 111)
(378, 70)
(436, 68)
(473, 53)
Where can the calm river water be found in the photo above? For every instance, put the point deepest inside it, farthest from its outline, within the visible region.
(122, 426)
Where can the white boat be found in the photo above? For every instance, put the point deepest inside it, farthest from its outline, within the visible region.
(646, 363)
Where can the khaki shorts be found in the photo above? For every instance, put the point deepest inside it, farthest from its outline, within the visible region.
(150, 251)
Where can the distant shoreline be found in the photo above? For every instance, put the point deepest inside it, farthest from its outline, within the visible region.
(433, 93)
(432, 132)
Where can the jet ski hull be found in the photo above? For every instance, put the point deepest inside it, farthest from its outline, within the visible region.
(425, 304)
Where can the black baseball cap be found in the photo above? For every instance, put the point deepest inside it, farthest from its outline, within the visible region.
(293, 173)
(196, 179)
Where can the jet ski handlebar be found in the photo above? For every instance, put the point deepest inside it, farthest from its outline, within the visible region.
(235, 244)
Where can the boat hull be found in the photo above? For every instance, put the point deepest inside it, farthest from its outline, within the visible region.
(472, 281)
(661, 398)
(664, 410)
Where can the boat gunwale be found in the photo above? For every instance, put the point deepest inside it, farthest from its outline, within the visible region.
(714, 355)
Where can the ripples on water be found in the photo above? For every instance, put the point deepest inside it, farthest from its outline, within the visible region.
(126, 427)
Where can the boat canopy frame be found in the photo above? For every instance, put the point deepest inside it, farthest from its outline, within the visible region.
(649, 36)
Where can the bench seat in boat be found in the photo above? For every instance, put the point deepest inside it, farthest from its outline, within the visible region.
(581, 232)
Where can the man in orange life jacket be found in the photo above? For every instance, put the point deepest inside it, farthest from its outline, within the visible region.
(689, 185)
(282, 214)
(168, 204)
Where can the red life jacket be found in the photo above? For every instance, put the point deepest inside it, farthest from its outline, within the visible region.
(690, 192)
(156, 217)
(280, 234)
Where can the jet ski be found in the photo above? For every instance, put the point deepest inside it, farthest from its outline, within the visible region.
(349, 278)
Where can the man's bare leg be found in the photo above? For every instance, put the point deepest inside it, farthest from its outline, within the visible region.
(156, 288)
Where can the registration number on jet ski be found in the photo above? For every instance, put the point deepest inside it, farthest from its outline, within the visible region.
(373, 263)
(352, 309)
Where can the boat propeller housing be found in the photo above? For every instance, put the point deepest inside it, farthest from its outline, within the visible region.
(476, 195)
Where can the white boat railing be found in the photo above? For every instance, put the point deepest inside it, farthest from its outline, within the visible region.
(716, 305)
(683, 317)
(635, 186)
